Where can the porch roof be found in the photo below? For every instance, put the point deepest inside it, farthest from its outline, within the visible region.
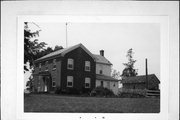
(104, 77)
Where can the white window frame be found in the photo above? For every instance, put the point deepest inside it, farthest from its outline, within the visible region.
(54, 64)
(87, 65)
(88, 81)
(70, 79)
(70, 61)
(46, 66)
(53, 81)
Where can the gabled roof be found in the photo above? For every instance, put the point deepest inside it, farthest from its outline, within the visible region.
(139, 79)
(64, 51)
(104, 77)
(101, 59)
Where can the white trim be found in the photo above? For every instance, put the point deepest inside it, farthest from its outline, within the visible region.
(88, 80)
(70, 79)
(70, 61)
(87, 64)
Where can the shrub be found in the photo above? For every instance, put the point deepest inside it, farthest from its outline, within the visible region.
(57, 90)
(101, 91)
(86, 91)
(72, 91)
(132, 93)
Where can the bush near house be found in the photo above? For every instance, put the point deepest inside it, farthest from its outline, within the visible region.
(68, 91)
(73, 91)
(132, 93)
(101, 91)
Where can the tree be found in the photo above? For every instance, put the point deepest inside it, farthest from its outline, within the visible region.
(31, 46)
(57, 48)
(115, 74)
(129, 66)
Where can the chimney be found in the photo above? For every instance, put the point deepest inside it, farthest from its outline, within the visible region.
(146, 75)
(102, 52)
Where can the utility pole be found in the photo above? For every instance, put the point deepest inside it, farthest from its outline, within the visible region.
(146, 75)
(66, 36)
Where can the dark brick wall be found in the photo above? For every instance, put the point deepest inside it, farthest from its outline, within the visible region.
(55, 74)
(79, 56)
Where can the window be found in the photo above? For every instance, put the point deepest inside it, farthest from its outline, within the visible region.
(70, 64)
(101, 72)
(46, 67)
(87, 65)
(39, 66)
(54, 64)
(87, 82)
(101, 83)
(69, 81)
(53, 82)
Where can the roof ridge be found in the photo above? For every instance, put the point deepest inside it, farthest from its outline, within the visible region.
(57, 51)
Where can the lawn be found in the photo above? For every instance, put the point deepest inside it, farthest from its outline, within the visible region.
(57, 103)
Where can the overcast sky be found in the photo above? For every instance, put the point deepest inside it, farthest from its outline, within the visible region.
(114, 38)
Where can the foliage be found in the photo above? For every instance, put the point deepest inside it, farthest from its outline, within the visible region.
(129, 67)
(132, 93)
(57, 48)
(29, 84)
(101, 91)
(57, 90)
(31, 47)
(115, 74)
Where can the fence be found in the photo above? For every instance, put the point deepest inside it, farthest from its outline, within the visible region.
(143, 92)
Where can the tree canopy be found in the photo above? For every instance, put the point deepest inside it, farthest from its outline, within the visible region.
(129, 66)
(115, 74)
(32, 46)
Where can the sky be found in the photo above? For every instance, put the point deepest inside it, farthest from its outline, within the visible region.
(114, 38)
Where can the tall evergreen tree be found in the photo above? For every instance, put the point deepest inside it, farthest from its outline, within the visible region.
(129, 66)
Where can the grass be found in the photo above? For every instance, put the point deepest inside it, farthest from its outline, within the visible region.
(57, 103)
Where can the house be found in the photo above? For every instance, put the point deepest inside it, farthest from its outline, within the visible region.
(72, 67)
(140, 82)
(69, 68)
(103, 73)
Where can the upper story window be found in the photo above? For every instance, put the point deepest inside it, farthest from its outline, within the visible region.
(69, 81)
(54, 64)
(87, 66)
(70, 64)
(87, 82)
(100, 72)
(46, 66)
(39, 66)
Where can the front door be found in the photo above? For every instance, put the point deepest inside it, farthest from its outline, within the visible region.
(46, 80)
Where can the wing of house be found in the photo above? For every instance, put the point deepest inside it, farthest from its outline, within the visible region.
(103, 73)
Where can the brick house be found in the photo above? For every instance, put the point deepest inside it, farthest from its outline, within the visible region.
(72, 67)
(139, 82)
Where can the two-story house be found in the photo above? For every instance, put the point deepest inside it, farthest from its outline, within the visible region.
(73, 67)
